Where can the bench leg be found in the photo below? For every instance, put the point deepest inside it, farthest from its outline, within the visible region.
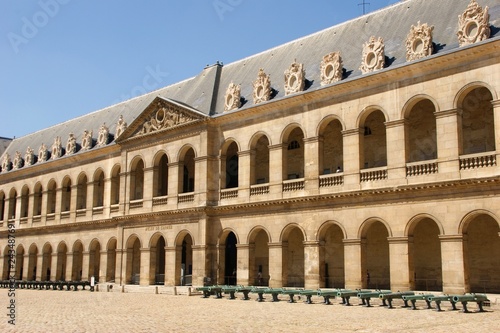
(453, 305)
(413, 304)
(390, 303)
(231, 295)
(384, 303)
(308, 299)
(291, 298)
(261, 297)
(464, 307)
(245, 296)
(275, 297)
(363, 301)
(428, 304)
(368, 305)
(347, 298)
(327, 300)
(480, 305)
(438, 306)
(218, 294)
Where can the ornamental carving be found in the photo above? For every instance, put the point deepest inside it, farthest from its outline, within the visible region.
(103, 137)
(165, 116)
(373, 55)
(121, 126)
(6, 162)
(18, 161)
(261, 87)
(87, 140)
(331, 68)
(56, 150)
(295, 78)
(29, 156)
(232, 99)
(71, 144)
(419, 42)
(42, 153)
(473, 24)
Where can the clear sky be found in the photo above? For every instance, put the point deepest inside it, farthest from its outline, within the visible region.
(60, 59)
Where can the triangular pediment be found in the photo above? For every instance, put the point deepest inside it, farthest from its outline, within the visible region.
(160, 115)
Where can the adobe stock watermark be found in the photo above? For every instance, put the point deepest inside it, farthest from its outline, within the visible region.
(32, 26)
(152, 80)
(223, 6)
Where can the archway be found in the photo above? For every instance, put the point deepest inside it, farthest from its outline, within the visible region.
(46, 262)
(111, 260)
(19, 262)
(32, 262)
(259, 257)
(375, 256)
(157, 260)
(62, 250)
(94, 260)
(228, 258)
(293, 257)
(331, 257)
(133, 269)
(184, 261)
(76, 274)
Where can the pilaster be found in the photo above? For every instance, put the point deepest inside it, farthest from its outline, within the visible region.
(449, 141)
(398, 263)
(275, 265)
(353, 264)
(452, 256)
(311, 264)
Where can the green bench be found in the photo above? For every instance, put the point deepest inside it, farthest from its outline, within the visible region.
(438, 299)
(478, 298)
(414, 298)
(274, 292)
(366, 296)
(327, 294)
(397, 295)
(346, 294)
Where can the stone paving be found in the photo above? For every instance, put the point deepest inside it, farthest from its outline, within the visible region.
(85, 311)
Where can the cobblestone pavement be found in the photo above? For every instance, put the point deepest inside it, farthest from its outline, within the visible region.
(85, 311)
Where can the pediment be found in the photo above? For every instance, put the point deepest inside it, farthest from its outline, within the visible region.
(161, 115)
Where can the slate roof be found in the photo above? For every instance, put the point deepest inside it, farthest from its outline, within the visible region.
(206, 91)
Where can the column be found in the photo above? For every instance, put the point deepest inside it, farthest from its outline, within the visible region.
(276, 168)
(174, 172)
(398, 263)
(311, 165)
(103, 266)
(26, 273)
(275, 265)
(147, 197)
(120, 267)
(244, 173)
(39, 267)
(311, 265)
(85, 266)
(396, 149)
(53, 267)
(353, 264)
(452, 257)
(352, 158)
(170, 266)
(449, 141)
(243, 270)
(89, 200)
(68, 273)
(145, 263)
(200, 267)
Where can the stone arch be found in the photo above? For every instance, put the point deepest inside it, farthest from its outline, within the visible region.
(46, 272)
(51, 196)
(12, 204)
(424, 253)
(259, 158)
(477, 128)
(111, 259)
(137, 178)
(98, 188)
(229, 164)
(160, 174)
(293, 237)
(77, 271)
(19, 262)
(331, 255)
(375, 263)
(37, 199)
(373, 138)
(157, 264)
(61, 265)
(133, 263)
(115, 184)
(258, 240)
(330, 145)
(81, 191)
(94, 260)
(293, 158)
(412, 101)
(460, 96)
(66, 188)
(187, 172)
(25, 198)
(184, 243)
(481, 246)
(6, 269)
(32, 262)
(228, 258)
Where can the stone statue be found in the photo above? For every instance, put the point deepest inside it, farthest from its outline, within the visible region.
(18, 161)
(71, 144)
(261, 87)
(29, 156)
(42, 153)
(103, 137)
(373, 55)
(473, 24)
(6, 162)
(294, 78)
(121, 126)
(419, 42)
(87, 140)
(331, 68)
(56, 150)
(232, 99)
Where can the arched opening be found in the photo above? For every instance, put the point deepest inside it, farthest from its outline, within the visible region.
(66, 195)
(81, 192)
(12, 204)
(478, 125)
(37, 200)
(25, 197)
(375, 256)
(188, 172)
(259, 159)
(19, 262)
(111, 261)
(76, 274)
(133, 260)
(259, 258)
(331, 257)
(2, 205)
(482, 255)
(293, 155)
(94, 261)
(137, 180)
(6, 269)
(425, 256)
(115, 186)
(184, 269)
(228, 259)
(422, 142)
(157, 261)
(98, 197)
(62, 250)
(293, 258)
(46, 262)
(331, 150)
(230, 166)
(32, 262)
(51, 197)
(373, 141)
(160, 176)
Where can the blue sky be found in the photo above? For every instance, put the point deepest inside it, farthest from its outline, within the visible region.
(60, 59)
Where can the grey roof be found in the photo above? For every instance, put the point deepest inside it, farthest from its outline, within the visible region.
(206, 91)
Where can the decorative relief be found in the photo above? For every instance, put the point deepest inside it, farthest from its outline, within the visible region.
(295, 78)
(103, 137)
(87, 140)
(6, 162)
(71, 144)
(121, 126)
(56, 150)
(165, 116)
(419, 42)
(473, 24)
(29, 156)
(331, 68)
(42, 153)
(373, 55)
(18, 161)
(232, 99)
(261, 87)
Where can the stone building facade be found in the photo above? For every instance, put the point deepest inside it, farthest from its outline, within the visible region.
(364, 155)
